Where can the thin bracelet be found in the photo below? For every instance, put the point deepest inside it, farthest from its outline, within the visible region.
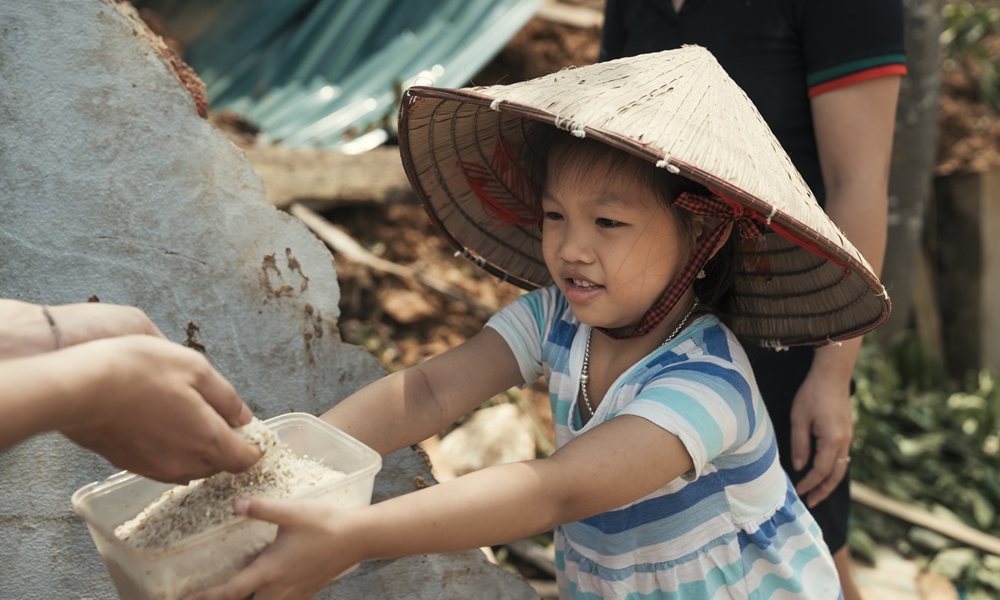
(55, 328)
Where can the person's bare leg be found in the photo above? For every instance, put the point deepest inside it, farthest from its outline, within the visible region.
(842, 560)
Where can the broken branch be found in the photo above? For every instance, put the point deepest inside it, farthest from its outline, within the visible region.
(341, 242)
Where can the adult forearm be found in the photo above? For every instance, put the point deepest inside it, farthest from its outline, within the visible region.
(24, 330)
(38, 394)
(859, 207)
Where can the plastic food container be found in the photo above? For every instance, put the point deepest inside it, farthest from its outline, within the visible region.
(213, 556)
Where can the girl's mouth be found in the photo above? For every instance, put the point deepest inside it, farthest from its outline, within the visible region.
(583, 284)
(581, 290)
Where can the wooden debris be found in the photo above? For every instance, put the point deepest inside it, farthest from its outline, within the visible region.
(326, 178)
(341, 242)
(914, 514)
(546, 589)
(406, 306)
(544, 558)
(568, 14)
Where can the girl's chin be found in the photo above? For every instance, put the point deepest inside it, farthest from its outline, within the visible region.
(616, 329)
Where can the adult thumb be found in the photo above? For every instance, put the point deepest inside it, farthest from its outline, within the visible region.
(281, 512)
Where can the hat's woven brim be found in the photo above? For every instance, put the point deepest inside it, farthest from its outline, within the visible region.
(784, 294)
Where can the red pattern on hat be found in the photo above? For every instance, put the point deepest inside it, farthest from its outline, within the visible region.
(504, 178)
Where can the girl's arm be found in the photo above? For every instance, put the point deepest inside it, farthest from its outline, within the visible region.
(410, 406)
(616, 463)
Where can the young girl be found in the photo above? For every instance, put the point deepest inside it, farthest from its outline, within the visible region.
(665, 482)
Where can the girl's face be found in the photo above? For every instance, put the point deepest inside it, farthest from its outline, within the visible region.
(609, 241)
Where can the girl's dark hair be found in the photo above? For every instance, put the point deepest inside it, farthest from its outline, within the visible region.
(716, 290)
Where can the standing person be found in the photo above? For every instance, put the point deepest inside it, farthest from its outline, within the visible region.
(825, 76)
(659, 219)
(104, 376)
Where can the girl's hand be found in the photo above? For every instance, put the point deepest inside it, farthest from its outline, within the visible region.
(311, 550)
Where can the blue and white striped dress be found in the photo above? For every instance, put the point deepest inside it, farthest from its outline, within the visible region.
(732, 527)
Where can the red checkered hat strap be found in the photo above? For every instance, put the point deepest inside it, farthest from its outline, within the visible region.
(707, 206)
(750, 224)
(655, 315)
(745, 220)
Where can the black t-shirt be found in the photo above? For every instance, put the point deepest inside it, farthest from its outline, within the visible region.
(781, 52)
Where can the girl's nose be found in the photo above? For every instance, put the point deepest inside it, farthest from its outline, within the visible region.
(576, 246)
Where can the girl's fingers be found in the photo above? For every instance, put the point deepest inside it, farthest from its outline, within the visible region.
(284, 513)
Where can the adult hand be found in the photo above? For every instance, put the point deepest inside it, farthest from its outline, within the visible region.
(311, 550)
(155, 408)
(821, 409)
(25, 330)
(81, 323)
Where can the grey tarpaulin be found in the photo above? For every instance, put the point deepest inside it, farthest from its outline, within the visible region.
(324, 72)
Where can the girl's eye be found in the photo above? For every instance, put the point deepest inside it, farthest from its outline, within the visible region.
(553, 216)
(608, 223)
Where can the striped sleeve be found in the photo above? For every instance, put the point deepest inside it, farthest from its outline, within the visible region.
(522, 325)
(850, 41)
(708, 404)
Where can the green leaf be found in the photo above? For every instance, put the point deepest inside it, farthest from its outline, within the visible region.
(991, 562)
(928, 540)
(982, 511)
(861, 544)
(990, 578)
(951, 563)
(961, 401)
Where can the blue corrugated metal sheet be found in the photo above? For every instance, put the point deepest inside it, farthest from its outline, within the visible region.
(329, 73)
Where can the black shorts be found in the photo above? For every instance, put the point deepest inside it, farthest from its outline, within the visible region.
(779, 376)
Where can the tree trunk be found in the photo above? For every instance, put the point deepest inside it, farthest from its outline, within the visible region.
(913, 156)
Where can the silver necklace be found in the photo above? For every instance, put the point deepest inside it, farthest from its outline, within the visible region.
(585, 372)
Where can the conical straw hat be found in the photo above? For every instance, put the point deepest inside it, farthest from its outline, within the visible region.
(681, 111)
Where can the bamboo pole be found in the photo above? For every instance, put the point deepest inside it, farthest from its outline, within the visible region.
(959, 532)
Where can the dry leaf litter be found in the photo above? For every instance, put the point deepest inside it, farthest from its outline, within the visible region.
(189, 509)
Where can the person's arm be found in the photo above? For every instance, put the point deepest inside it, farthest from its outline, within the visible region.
(854, 127)
(616, 463)
(410, 406)
(148, 405)
(25, 330)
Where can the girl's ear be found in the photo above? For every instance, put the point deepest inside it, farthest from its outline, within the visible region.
(704, 226)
